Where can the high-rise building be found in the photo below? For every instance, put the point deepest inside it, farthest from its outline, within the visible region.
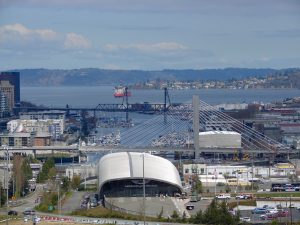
(8, 90)
(4, 110)
(14, 80)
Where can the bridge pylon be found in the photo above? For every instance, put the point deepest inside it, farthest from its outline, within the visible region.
(196, 125)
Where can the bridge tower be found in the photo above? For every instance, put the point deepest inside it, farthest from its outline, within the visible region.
(127, 104)
(166, 98)
(196, 125)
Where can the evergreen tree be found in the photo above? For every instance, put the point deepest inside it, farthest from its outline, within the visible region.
(46, 172)
(21, 174)
(75, 183)
(65, 184)
(2, 196)
(198, 218)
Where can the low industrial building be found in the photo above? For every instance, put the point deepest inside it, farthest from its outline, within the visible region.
(220, 139)
(121, 175)
(234, 174)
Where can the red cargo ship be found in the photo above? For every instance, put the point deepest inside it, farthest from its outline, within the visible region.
(121, 92)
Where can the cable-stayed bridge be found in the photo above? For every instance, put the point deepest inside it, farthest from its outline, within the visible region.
(175, 127)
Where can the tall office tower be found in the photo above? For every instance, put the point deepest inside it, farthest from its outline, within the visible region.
(4, 110)
(14, 80)
(8, 90)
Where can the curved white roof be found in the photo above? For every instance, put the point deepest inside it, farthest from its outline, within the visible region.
(126, 165)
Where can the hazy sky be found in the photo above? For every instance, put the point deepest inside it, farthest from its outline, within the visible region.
(149, 34)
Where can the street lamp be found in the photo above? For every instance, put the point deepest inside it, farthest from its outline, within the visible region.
(144, 190)
(59, 201)
(5, 147)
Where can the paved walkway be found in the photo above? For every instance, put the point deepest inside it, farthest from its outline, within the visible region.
(73, 203)
(154, 205)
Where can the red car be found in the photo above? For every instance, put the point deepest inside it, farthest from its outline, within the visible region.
(271, 216)
(283, 213)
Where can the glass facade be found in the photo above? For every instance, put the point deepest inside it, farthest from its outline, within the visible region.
(134, 188)
(14, 79)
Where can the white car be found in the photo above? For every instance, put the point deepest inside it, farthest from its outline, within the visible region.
(272, 210)
(245, 219)
(223, 196)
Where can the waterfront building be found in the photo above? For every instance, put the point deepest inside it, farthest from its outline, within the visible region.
(43, 115)
(220, 139)
(16, 139)
(53, 126)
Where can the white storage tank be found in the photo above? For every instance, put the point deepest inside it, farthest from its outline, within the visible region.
(219, 139)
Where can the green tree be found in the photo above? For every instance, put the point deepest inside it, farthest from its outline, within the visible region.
(217, 213)
(227, 189)
(2, 196)
(48, 170)
(21, 174)
(211, 213)
(199, 187)
(75, 183)
(198, 218)
(26, 169)
(65, 187)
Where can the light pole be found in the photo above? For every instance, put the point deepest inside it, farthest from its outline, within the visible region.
(6, 179)
(144, 190)
(59, 202)
(237, 189)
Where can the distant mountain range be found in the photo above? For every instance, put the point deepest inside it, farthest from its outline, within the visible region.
(93, 76)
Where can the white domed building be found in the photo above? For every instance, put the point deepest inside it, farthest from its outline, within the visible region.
(121, 175)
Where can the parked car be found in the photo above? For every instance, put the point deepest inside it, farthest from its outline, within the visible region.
(245, 219)
(259, 211)
(93, 202)
(240, 197)
(12, 213)
(29, 212)
(283, 213)
(272, 210)
(190, 207)
(244, 196)
(271, 216)
(223, 196)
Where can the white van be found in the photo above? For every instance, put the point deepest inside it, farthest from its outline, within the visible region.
(223, 196)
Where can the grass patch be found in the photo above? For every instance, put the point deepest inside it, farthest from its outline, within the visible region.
(101, 212)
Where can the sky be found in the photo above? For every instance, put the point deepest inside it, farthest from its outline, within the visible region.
(149, 34)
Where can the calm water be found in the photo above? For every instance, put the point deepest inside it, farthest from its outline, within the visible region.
(92, 96)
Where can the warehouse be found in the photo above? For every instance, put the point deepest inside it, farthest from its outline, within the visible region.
(219, 139)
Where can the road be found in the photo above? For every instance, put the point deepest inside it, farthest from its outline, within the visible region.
(29, 201)
(73, 203)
